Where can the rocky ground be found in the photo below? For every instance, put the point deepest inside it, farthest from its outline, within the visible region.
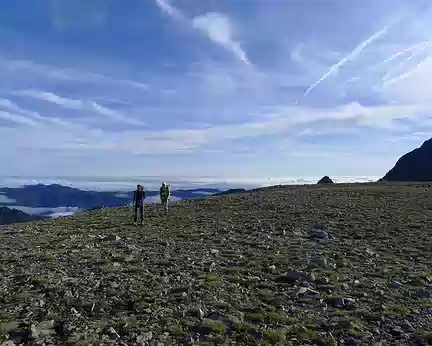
(307, 265)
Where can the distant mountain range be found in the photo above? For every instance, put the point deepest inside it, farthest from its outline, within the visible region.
(45, 200)
(413, 166)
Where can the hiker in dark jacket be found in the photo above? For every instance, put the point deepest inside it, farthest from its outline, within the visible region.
(138, 201)
(165, 194)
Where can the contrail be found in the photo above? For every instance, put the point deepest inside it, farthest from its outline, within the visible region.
(403, 76)
(351, 56)
(402, 52)
(404, 62)
(388, 59)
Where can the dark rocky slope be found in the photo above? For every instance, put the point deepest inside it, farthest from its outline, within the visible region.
(302, 265)
(413, 166)
(9, 216)
(325, 180)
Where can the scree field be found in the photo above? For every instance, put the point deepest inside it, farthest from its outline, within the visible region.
(287, 265)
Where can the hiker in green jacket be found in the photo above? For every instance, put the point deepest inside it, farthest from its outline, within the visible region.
(165, 195)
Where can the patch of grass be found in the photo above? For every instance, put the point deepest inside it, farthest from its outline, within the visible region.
(245, 327)
(266, 295)
(136, 269)
(275, 337)
(427, 337)
(215, 327)
(255, 317)
(279, 317)
(424, 303)
(211, 278)
(303, 332)
(307, 301)
(233, 278)
(396, 310)
(109, 269)
(355, 333)
(8, 327)
(176, 331)
(127, 323)
(112, 292)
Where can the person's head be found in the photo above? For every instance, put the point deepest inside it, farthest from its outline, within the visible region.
(139, 187)
(163, 184)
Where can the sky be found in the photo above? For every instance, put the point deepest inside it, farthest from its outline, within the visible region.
(244, 89)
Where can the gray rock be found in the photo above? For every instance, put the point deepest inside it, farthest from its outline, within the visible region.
(143, 338)
(336, 302)
(396, 331)
(341, 263)
(44, 328)
(422, 294)
(318, 234)
(394, 285)
(322, 281)
(349, 340)
(113, 332)
(407, 326)
(8, 343)
(319, 261)
(293, 276)
(113, 237)
(188, 340)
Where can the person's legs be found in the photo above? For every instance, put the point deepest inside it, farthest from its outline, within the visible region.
(136, 213)
(142, 212)
(166, 206)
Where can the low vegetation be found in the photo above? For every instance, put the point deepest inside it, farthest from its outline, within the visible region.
(283, 265)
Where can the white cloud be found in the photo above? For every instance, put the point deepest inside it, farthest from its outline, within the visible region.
(218, 28)
(285, 119)
(170, 10)
(18, 119)
(82, 105)
(33, 116)
(68, 74)
(53, 98)
(5, 199)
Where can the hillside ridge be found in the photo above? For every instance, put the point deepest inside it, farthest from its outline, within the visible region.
(295, 265)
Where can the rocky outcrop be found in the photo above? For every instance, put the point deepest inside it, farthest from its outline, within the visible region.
(325, 180)
(413, 166)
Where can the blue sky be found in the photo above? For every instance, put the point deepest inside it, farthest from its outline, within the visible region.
(217, 88)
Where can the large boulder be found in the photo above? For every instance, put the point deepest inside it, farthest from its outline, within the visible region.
(325, 180)
(413, 166)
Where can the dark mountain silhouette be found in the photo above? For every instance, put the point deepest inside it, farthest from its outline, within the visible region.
(9, 216)
(229, 192)
(52, 196)
(325, 180)
(413, 166)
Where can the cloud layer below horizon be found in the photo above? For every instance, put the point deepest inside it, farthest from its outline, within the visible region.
(202, 88)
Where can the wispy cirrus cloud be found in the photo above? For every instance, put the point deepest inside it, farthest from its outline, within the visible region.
(214, 25)
(219, 29)
(83, 105)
